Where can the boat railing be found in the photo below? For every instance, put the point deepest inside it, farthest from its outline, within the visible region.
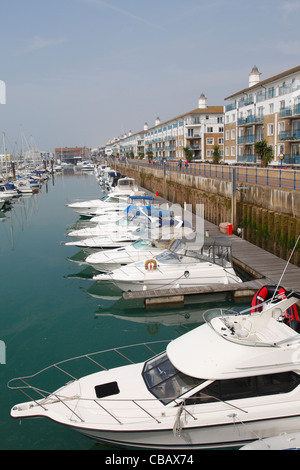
(29, 389)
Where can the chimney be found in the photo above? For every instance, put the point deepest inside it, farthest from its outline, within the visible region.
(202, 102)
(157, 121)
(254, 76)
(146, 127)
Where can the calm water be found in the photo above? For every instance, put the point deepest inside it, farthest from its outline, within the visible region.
(51, 310)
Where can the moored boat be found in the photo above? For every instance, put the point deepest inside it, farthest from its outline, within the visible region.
(234, 379)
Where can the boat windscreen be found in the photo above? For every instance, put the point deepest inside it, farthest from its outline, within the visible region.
(165, 382)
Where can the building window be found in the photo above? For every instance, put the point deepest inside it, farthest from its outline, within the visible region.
(227, 135)
(210, 129)
(227, 151)
(210, 141)
(233, 134)
(271, 108)
(270, 129)
(233, 151)
(220, 141)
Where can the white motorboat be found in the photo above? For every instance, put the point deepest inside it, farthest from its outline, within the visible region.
(94, 244)
(183, 268)
(126, 184)
(86, 166)
(126, 224)
(23, 185)
(8, 191)
(232, 380)
(119, 199)
(141, 250)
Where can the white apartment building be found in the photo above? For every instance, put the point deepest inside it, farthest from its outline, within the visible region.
(268, 109)
(200, 129)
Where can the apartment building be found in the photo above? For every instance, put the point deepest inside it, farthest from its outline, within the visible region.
(267, 109)
(200, 129)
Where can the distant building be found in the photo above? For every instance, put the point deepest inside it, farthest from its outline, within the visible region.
(72, 154)
(200, 129)
(269, 110)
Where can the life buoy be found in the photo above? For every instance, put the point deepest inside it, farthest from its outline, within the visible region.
(291, 315)
(152, 263)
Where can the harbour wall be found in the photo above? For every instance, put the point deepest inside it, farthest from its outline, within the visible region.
(269, 217)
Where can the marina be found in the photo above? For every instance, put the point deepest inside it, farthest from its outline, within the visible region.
(61, 311)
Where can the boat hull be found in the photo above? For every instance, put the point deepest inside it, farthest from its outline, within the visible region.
(236, 434)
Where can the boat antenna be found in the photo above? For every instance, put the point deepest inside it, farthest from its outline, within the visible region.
(288, 262)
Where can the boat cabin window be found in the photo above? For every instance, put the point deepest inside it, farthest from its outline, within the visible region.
(164, 381)
(246, 387)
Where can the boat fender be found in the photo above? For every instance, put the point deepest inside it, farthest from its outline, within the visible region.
(151, 264)
(186, 273)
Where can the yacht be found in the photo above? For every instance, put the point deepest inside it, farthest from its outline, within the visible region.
(23, 186)
(181, 268)
(117, 240)
(226, 383)
(140, 250)
(89, 207)
(8, 191)
(128, 223)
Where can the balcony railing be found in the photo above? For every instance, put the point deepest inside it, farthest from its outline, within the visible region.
(247, 158)
(253, 119)
(289, 135)
(291, 111)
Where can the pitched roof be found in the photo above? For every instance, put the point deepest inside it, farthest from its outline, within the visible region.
(208, 110)
(264, 82)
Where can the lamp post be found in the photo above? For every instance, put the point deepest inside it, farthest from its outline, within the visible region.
(281, 156)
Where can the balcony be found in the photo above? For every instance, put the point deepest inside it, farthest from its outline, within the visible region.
(291, 159)
(250, 120)
(247, 158)
(289, 135)
(246, 102)
(230, 107)
(290, 112)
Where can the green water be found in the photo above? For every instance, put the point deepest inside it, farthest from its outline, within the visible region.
(51, 310)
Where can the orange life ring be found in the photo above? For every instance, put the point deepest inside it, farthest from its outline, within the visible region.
(152, 263)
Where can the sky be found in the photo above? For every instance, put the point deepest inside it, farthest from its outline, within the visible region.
(81, 72)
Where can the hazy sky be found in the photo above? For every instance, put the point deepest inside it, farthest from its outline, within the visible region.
(80, 72)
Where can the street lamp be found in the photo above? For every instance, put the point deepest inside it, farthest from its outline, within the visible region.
(281, 156)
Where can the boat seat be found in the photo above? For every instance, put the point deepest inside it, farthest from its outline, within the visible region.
(245, 329)
(274, 332)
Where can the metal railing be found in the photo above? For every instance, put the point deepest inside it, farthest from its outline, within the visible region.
(275, 177)
(42, 398)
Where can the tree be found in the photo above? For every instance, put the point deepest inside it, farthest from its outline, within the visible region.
(188, 153)
(216, 155)
(264, 151)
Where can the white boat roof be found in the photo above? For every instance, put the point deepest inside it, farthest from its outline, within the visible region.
(205, 354)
